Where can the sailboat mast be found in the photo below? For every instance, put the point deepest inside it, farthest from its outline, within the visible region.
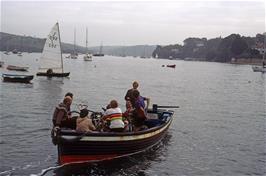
(101, 47)
(75, 41)
(264, 48)
(86, 39)
(60, 47)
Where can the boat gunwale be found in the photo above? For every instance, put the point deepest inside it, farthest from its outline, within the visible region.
(67, 132)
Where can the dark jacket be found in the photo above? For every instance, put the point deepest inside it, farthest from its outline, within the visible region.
(129, 96)
(60, 114)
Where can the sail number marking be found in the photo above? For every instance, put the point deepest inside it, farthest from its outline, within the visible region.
(52, 38)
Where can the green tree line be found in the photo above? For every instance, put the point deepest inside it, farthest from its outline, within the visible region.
(216, 49)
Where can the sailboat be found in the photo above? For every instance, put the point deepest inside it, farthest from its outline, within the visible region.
(88, 56)
(1, 63)
(51, 61)
(74, 55)
(144, 53)
(7, 50)
(99, 54)
(263, 67)
(21, 44)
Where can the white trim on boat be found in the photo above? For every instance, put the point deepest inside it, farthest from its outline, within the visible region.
(119, 138)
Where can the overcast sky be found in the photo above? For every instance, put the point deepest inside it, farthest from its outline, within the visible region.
(135, 22)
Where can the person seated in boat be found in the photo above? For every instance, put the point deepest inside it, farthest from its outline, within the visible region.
(84, 123)
(129, 95)
(129, 109)
(50, 71)
(113, 117)
(61, 117)
(139, 113)
(70, 95)
(127, 116)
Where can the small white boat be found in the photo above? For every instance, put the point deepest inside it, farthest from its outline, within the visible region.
(259, 69)
(19, 54)
(88, 56)
(17, 68)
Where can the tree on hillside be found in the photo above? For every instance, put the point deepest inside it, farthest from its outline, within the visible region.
(223, 50)
(239, 45)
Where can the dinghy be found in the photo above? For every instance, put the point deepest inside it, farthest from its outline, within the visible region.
(17, 78)
(51, 61)
(17, 68)
(171, 66)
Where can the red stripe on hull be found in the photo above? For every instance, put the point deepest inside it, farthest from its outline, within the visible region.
(83, 158)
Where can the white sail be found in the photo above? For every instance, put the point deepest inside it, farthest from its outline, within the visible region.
(51, 57)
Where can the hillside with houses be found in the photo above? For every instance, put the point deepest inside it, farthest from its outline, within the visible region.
(233, 48)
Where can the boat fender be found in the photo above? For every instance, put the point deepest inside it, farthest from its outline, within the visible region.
(54, 134)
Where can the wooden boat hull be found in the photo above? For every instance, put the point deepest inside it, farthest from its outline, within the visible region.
(17, 78)
(17, 68)
(100, 146)
(53, 74)
(171, 66)
(98, 55)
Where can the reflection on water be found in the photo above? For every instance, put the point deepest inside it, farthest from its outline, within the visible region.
(136, 164)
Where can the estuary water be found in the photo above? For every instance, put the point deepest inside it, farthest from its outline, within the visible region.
(219, 129)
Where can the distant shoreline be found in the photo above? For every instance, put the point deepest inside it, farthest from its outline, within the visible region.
(251, 61)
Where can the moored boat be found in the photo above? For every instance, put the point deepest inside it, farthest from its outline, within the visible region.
(98, 146)
(17, 68)
(15, 51)
(88, 56)
(1, 63)
(53, 74)
(6, 52)
(171, 66)
(259, 69)
(100, 53)
(17, 78)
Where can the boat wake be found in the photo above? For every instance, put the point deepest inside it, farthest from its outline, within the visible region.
(18, 168)
(45, 171)
(15, 170)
